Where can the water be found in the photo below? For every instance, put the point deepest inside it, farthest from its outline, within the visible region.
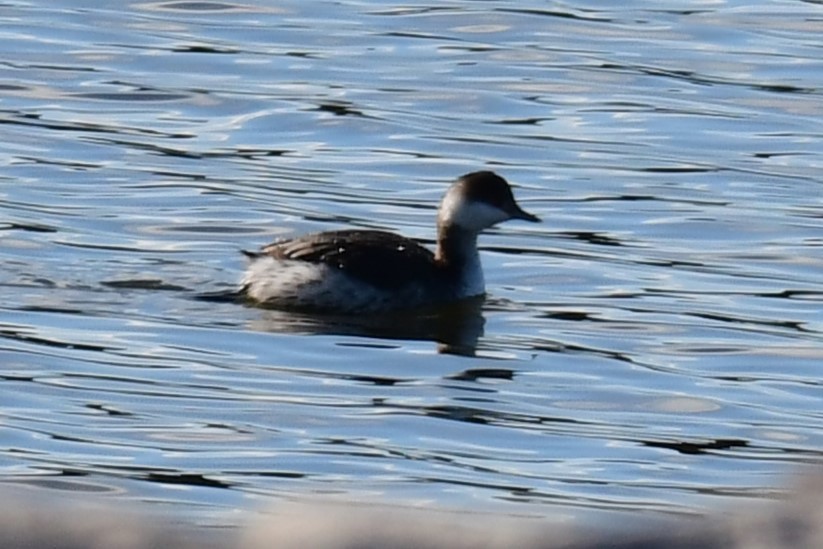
(654, 345)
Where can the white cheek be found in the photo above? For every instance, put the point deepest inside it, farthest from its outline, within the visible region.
(477, 216)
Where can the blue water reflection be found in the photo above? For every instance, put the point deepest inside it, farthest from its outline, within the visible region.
(653, 346)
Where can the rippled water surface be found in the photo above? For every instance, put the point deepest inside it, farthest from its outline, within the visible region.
(654, 345)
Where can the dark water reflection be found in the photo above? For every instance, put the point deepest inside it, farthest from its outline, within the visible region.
(456, 328)
(655, 345)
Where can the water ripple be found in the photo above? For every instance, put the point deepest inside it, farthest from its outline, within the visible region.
(661, 329)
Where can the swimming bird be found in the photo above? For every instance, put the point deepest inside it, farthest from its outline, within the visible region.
(368, 271)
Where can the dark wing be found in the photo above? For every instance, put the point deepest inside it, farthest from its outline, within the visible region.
(384, 260)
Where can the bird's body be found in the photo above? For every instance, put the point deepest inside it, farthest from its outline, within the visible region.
(353, 271)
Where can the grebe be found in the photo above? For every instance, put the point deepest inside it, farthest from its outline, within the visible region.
(361, 271)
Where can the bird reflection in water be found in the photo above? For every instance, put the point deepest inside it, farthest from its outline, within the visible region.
(455, 327)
